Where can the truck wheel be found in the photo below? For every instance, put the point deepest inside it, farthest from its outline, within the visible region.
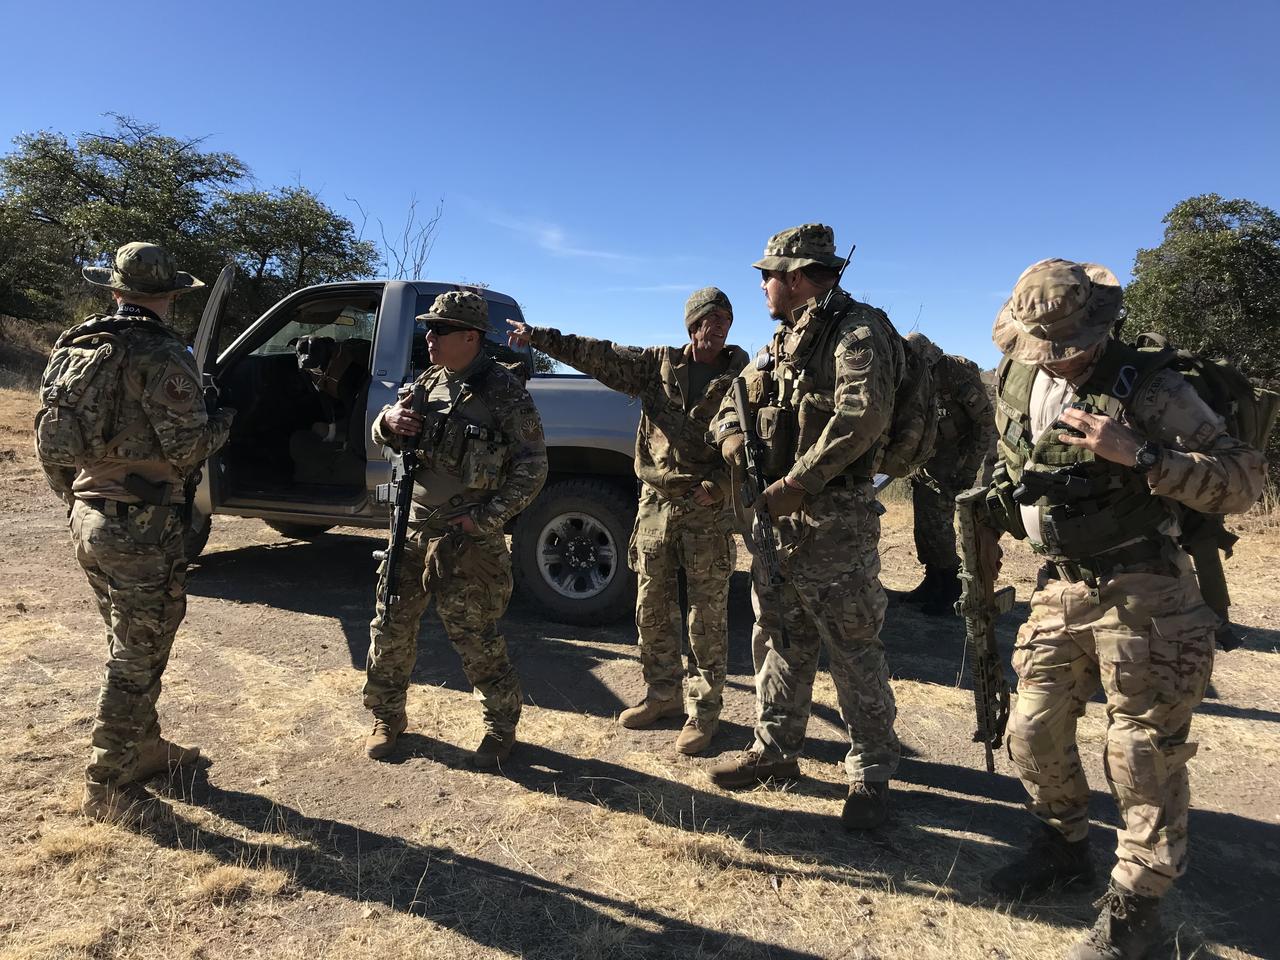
(569, 552)
(196, 536)
(298, 531)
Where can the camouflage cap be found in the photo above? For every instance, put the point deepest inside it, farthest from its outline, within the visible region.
(701, 302)
(461, 308)
(147, 269)
(1059, 308)
(924, 348)
(810, 243)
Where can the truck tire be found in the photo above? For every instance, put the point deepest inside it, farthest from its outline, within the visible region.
(569, 552)
(196, 537)
(298, 531)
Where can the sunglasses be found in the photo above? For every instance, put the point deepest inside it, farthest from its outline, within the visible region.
(443, 329)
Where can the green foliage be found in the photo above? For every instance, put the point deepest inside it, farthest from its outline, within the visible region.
(66, 203)
(1213, 287)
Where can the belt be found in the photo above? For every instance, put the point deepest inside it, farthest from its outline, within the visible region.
(846, 480)
(1092, 569)
(112, 508)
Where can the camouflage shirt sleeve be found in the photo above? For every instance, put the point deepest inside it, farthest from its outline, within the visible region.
(381, 434)
(866, 374)
(625, 369)
(173, 402)
(1203, 466)
(974, 404)
(526, 459)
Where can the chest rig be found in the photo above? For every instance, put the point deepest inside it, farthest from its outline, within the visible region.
(460, 439)
(1088, 506)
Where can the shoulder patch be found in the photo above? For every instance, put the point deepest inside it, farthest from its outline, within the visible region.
(178, 389)
(531, 427)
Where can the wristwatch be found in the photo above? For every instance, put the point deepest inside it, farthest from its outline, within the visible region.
(1147, 457)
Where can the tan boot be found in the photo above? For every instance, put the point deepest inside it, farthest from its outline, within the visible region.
(749, 768)
(648, 712)
(382, 740)
(866, 806)
(161, 756)
(696, 735)
(493, 751)
(125, 804)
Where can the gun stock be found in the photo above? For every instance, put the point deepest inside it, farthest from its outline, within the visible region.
(980, 604)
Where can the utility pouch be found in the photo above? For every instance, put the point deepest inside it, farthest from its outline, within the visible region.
(483, 456)
(815, 413)
(775, 427)
(146, 524)
(156, 494)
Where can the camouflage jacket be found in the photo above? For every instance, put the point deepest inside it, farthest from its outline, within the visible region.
(481, 447)
(161, 430)
(833, 383)
(966, 424)
(672, 450)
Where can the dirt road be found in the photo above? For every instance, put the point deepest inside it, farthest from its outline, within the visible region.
(599, 842)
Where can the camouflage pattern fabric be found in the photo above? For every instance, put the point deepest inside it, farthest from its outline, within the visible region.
(470, 577)
(461, 308)
(138, 572)
(966, 436)
(832, 595)
(469, 603)
(1147, 640)
(703, 301)
(672, 452)
(142, 268)
(1058, 309)
(670, 535)
(802, 246)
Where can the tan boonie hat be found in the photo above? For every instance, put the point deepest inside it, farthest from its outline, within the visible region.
(146, 269)
(811, 243)
(1059, 308)
(701, 302)
(460, 308)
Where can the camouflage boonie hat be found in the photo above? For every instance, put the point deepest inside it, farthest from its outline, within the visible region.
(1059, 309)
(924, 348)
(142, 268)
(701, 302)
(460, 308)
(812, 243)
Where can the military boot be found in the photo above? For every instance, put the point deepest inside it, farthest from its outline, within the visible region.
(493, 751)
(648, 712)
(125, 804)
(1050, 861)
(749, 768)
(696, 735)
(923, 590)
(941, 600)
(866, 806)
(1128, 926)
(382, 740)
(161, 756)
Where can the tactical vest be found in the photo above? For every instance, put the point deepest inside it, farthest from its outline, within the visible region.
(1104, 505)
(463, 451)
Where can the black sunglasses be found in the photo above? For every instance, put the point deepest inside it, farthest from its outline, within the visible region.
(443, 329)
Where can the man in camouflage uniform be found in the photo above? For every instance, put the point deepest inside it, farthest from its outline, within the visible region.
(482, 460)
(823, 408)
(681, 521)
(966, 435)
(128, 518)
(1117, 603)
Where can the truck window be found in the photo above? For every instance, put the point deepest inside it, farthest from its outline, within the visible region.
(338, 320)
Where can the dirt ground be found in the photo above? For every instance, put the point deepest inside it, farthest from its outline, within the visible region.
(595, 842)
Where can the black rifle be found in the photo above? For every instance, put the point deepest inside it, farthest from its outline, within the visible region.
(753, 487)
(979, 604)
(398, 493)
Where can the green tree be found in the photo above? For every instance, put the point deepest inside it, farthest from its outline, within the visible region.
(1213, 287)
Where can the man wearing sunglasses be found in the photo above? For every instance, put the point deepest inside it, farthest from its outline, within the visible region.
(681, 522)
(481, 460)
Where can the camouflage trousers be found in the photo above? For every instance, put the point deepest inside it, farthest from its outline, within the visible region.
(471, 585)
(935, 520)
(1147, 639)
(138, 573)
(832, 595)
(670, 536)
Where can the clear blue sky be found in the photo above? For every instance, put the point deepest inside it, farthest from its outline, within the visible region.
(598, 161)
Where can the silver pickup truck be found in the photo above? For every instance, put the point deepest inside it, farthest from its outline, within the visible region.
(308, 377)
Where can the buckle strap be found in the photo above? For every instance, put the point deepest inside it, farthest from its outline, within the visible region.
(112, 508)
(1091, 569)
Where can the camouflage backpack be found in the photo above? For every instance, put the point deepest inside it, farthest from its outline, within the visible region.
(80, 395)
(1250, 412)
(914, 425)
